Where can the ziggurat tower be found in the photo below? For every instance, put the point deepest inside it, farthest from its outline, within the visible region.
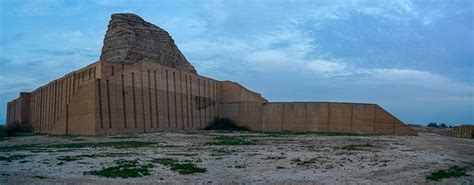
(143, 83)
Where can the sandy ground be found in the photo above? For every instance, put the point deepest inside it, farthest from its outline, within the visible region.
(272, 159)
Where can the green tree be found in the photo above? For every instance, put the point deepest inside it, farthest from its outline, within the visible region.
(434, 125)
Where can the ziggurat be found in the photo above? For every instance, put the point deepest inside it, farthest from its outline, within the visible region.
(143, 83)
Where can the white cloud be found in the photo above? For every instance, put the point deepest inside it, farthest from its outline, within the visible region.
(411, 78)
(422, 79)
(12, 86)
(270, 60)
(327, 68)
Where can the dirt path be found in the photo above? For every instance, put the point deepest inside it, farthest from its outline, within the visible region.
(255, 158)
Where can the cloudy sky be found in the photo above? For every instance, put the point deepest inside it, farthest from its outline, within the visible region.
(414, 58)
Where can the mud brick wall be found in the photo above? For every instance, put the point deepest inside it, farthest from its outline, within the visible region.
(111, 98)
(331, 117)
(249, 109)
(50, 105)
(18, 110)
(149, 97)
(241, 105)
(463, 131)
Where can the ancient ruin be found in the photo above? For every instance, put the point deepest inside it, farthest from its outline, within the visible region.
(143, 83)
(463, 131)
(130, 39)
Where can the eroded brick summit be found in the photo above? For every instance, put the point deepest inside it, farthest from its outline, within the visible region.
(130, 39)
(143, 83)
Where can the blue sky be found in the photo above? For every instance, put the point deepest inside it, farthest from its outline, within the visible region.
(414, 58)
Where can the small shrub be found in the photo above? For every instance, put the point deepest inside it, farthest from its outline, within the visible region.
(97, 155)
(40, 177)
(183, 154)
(291, 133)
(114, 144)
(454, 171)
(127, 136)
(123, 169)
(68, 158)
(2, 132)
(12, 158)
(357, 147)
(48, 147)
(187, 168)
(222, 152)
(233, 140)
(14, 129)
(300, 162)
(112, 154)
(225, 124)
(274, 158)
(183, 168)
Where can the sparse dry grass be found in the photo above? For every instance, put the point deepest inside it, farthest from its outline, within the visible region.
(226, 157)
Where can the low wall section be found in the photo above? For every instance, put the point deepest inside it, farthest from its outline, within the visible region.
(331, 117)
(463, 131)
(241, 105)
(249, 109)
(18, 110)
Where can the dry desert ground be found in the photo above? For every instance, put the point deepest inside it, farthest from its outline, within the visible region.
(234, 157)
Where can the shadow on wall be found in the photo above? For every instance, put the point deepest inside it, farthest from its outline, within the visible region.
(225, 124)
